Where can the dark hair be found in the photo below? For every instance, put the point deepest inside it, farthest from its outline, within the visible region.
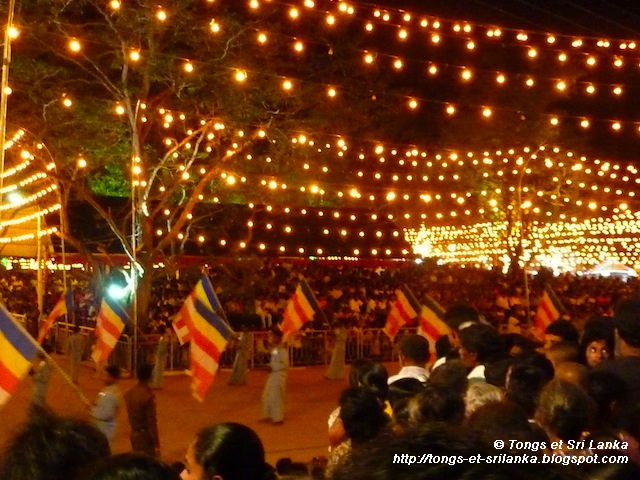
(233, 451)
(362, 414)
(370, 374)
(443, 346)
(529, 373)
(113, 371)
(626, 319)
(144, 372)
(460, 313)
(436, 403)
(415, 348)
(563, 329)
(403, 389)
(49, 447)
(131, 466)
(451, 374)
(606, 388)
(496, 372)
(565, 410)
(484, 341)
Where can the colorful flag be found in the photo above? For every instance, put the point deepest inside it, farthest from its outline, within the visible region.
(206, 294)
(180, 325)
(548, 311)
(301, 308)
(431, 324)
(17, 351)
(63, 307)
(209, 337)
(404, 311)
(112, 319)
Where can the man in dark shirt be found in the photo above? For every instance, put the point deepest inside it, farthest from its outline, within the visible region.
(141, 409)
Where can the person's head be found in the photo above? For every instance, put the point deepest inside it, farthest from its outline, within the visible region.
(414, 350)
(403, 389)
(461, 315)
(560, 331)
(370, 374)
(226, 451)
(113, 374)
(275, 337)
(598, 341)
(144, 371)
(452, 374)
(573, 372)
(480, 344)
(564, 410)
(362, 414)
(132, 466)
(49, 447)
(526, 378)
(443, 346)
(562, 352)
(608, 391)
(436, 403)
(478, 394)
(626, 319)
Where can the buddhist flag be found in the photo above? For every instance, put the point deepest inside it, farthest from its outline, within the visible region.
(112, 319)
(206, 294)
(431, 324)
(548, 311)
(180, 325)
(63, 307)
(209, 337)
(404, 311)
(301, 308)
(17, 351)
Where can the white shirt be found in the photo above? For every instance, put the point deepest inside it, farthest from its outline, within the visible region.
(477, 373)
(410, 371)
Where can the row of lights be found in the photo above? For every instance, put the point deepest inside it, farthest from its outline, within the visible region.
(407, 24)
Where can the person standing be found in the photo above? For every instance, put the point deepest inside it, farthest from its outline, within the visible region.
(241, 361)
(105, 409)
(76, 349)
(274, 389)
(162, 354)
(141, 410)
(336, 367)
(41, 373)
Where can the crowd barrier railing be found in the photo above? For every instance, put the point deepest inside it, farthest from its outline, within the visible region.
(307, 348)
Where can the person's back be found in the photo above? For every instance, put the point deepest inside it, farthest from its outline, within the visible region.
(141, 410)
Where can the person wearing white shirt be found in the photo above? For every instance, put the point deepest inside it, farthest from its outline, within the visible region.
(414, 355)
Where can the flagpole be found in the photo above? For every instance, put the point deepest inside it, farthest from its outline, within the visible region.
(4, 94)
(55, 365)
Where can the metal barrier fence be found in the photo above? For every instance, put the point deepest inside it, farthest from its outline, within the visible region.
(310, 347)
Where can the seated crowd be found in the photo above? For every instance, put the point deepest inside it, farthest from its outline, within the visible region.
(255, 293)
(490, 405)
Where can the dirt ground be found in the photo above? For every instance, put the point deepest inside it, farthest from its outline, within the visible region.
(310, 398)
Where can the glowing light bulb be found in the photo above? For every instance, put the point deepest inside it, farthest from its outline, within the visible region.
(74, 46)
(240, 76)
(161, 15)
(13, 32)
(134, 55)
(466, 74)
(287, 85)
(298, 47)
(262, 38)
(486, 112)
(331, 92)
(188, 67)
(413, 104)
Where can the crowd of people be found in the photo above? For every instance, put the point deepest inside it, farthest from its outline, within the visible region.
(255, 294)
(565, 406)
